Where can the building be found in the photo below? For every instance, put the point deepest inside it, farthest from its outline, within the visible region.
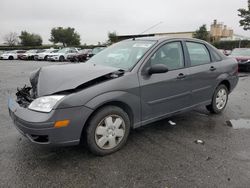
(218, 31)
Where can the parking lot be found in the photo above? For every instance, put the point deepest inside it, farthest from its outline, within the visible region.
(157, 155)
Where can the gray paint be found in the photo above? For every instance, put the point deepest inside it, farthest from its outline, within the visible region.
(149, 97)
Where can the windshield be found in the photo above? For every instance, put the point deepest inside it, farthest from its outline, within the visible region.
(31, 51)
(97, 50)
(64, 50)
(54, 51)
(241, 52)
(123, 55)
(10, 52)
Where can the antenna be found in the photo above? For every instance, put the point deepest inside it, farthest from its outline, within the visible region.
(151, 27)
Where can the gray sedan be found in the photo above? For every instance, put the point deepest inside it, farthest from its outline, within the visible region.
(128, 85)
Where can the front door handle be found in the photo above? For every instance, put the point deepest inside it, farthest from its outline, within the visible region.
(181, 76)
(212, 68)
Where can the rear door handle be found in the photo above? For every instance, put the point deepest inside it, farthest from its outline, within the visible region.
(181, 76)
(212, 68)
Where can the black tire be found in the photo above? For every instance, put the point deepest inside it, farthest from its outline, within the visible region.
(213, 108)
(61, 58)
(46, 58)
(96, 120)
(11, 58)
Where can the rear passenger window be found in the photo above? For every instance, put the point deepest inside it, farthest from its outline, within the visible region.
(198, 53)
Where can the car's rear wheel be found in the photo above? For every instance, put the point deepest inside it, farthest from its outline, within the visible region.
(61, 58)
(11, 58)
(46, 58)
(219, 100)
(108, 130)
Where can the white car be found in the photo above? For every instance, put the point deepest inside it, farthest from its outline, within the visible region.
(29, 55)
(44, 54)
(11, 55)
(62, 54)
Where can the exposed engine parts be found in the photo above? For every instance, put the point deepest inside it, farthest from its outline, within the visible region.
(24, 96)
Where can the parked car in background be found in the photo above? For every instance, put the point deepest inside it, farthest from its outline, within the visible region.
(11, 55)
(223, 51)
(44, 54)
(95, 51)
(28, 55)
(130, 84)
(228, 52)
(1, 52)
(62, 54)
(242, 55)
(81, 56)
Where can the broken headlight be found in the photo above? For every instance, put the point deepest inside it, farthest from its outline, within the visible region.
(45, 104)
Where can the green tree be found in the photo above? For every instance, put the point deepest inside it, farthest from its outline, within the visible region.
(30, 39)
(202, 33)
(112, 37)
(66, 36)
(245, 15)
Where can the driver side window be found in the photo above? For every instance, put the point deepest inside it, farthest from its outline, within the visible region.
(170, 54)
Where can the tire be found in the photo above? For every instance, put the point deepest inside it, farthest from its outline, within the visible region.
(11, 58)
(46, 58)
(61, 58)
(107, 131)
(219, 100)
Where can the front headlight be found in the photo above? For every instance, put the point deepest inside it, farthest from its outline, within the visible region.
(45, 104)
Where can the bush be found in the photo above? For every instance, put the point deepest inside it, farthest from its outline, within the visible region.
(229, 45)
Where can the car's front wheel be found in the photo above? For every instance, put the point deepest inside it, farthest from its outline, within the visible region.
(61, 58)
(108, 130)
(219, 100)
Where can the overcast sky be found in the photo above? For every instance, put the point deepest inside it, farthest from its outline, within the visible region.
(93, 19)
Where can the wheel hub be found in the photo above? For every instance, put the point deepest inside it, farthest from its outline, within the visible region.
(109, 132)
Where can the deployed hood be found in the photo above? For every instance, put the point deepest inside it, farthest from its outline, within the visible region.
(57, 78)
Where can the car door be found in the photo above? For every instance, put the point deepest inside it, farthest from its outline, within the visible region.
(203, 72)
(164, 93)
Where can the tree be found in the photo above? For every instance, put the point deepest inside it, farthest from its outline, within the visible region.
(112, 37)
(66, 36)
(11, 39)
(30, 39)
(202, 33)
(245, 15)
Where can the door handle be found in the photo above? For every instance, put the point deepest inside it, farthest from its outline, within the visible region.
(181, 76)
(212, 68)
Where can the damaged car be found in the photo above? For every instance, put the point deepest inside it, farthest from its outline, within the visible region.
(129, 84)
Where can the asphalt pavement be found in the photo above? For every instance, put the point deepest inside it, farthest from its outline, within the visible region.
(200, 150)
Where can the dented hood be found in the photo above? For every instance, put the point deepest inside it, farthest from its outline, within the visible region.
(56, 78)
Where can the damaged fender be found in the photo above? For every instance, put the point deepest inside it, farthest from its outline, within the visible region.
(57, 78)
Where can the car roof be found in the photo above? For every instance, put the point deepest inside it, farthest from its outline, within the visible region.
(161, 39)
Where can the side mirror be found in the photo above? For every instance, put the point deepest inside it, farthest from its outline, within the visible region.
(157, 69)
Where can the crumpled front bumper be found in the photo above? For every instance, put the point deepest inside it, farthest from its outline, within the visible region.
(39, 127)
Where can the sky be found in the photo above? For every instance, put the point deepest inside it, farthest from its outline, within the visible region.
(93, 19)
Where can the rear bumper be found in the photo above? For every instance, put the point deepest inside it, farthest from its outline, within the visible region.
(233, 82)
(39, 127)
(244, 66)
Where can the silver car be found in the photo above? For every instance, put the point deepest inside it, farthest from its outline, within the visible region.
(129, 84)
